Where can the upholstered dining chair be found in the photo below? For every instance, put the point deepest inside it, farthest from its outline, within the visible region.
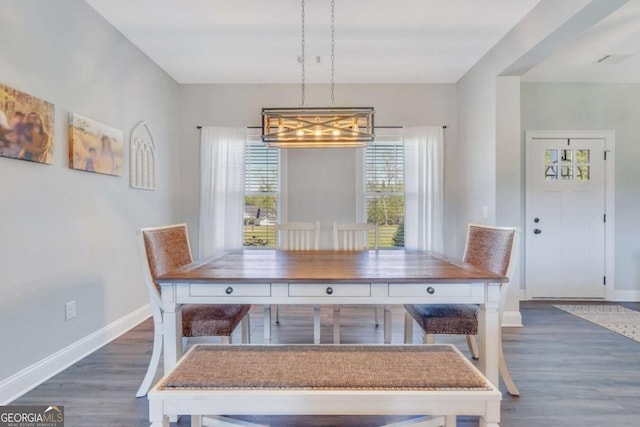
(297, 236)
(355, 236)
(166, 248)
(488, 247)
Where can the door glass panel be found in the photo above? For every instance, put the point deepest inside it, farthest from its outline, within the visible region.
(567, 172)
(551, 173)
(582, 173)
(567, 156)
(551, 156)
(582, 156)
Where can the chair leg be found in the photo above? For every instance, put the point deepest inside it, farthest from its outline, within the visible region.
(336, 324)
(316, 324)
(277, 314)
(378, 310)
(387, 324)
(428, 339)
(408, 328)
(153, 363)
(227, 339)
(473, 346)
(506, 375)
(245, 324)
(185, 341)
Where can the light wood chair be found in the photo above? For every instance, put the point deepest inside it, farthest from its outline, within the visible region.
(297, 236)
(356, 236)
(167, 248)
(488, 247)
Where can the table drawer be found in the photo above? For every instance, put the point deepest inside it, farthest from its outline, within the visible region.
(229, 289)
(435, 290)
(326, 290)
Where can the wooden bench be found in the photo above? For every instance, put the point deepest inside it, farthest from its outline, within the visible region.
(325, 380)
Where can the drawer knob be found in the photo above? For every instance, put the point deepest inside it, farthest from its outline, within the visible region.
(329, 290)
(430, 290)
(229, 290)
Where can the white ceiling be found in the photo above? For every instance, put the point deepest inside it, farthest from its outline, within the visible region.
(618, 34)
(258, 41)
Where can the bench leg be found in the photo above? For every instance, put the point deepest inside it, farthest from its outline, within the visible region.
(156, 417)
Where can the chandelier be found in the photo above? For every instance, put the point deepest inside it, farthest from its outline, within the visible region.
(317, 127)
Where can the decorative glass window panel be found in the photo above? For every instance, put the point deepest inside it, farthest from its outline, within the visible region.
(583, 156)
(567, 156)
(582, 173)
(551, 173)
(566, 172)
(551, 157)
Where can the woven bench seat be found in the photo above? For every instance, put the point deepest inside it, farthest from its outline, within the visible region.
(324, 380)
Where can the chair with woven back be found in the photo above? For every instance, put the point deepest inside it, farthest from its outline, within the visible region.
(491, 248)
(356, 236)
(297, 236)
(164, 249)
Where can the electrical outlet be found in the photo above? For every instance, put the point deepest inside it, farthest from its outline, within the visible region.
(70, 310)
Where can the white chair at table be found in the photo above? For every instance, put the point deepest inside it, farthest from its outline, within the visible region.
(166, 248)
(355, 236)
(297, 236)
(491, 248)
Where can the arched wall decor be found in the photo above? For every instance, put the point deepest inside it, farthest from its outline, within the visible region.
(143, 158)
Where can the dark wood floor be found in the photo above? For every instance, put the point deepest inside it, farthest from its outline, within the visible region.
(570, 372)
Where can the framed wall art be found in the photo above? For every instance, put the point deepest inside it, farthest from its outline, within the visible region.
(26, 126)
(94, 146)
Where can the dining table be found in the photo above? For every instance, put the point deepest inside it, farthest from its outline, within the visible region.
(318, 277)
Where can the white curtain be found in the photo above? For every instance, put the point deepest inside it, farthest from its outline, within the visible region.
(221, 189)
(424, 199)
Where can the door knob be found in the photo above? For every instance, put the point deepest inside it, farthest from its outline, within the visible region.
(536, 220)
(537, 231)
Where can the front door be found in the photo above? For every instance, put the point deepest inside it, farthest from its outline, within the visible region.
(565, 218)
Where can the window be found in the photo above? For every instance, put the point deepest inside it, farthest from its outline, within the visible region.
(261, 194)
(384, 189)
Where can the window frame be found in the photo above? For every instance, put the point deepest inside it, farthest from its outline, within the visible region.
(254, 137)
(391, 134)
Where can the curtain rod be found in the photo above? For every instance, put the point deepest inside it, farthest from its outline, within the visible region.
(375, 127)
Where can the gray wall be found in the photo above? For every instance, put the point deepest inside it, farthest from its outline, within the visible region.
(66, 234)
(600, 106)
(321, 182)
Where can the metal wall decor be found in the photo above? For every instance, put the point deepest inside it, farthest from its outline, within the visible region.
(143, 158)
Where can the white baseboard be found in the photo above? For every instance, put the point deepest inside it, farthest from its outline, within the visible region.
(512, 319)
(619, 296)
(627, 296)
(34, 375)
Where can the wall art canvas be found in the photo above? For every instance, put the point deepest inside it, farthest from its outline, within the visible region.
(94, 146)
(142, 159)
(26, 126)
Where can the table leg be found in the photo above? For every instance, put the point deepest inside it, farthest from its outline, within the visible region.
(172, 326)
(488, 329)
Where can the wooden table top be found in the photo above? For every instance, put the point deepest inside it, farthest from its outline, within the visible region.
(383, 266)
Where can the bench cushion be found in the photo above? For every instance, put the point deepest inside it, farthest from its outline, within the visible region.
(315, 367)
(455, 319)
